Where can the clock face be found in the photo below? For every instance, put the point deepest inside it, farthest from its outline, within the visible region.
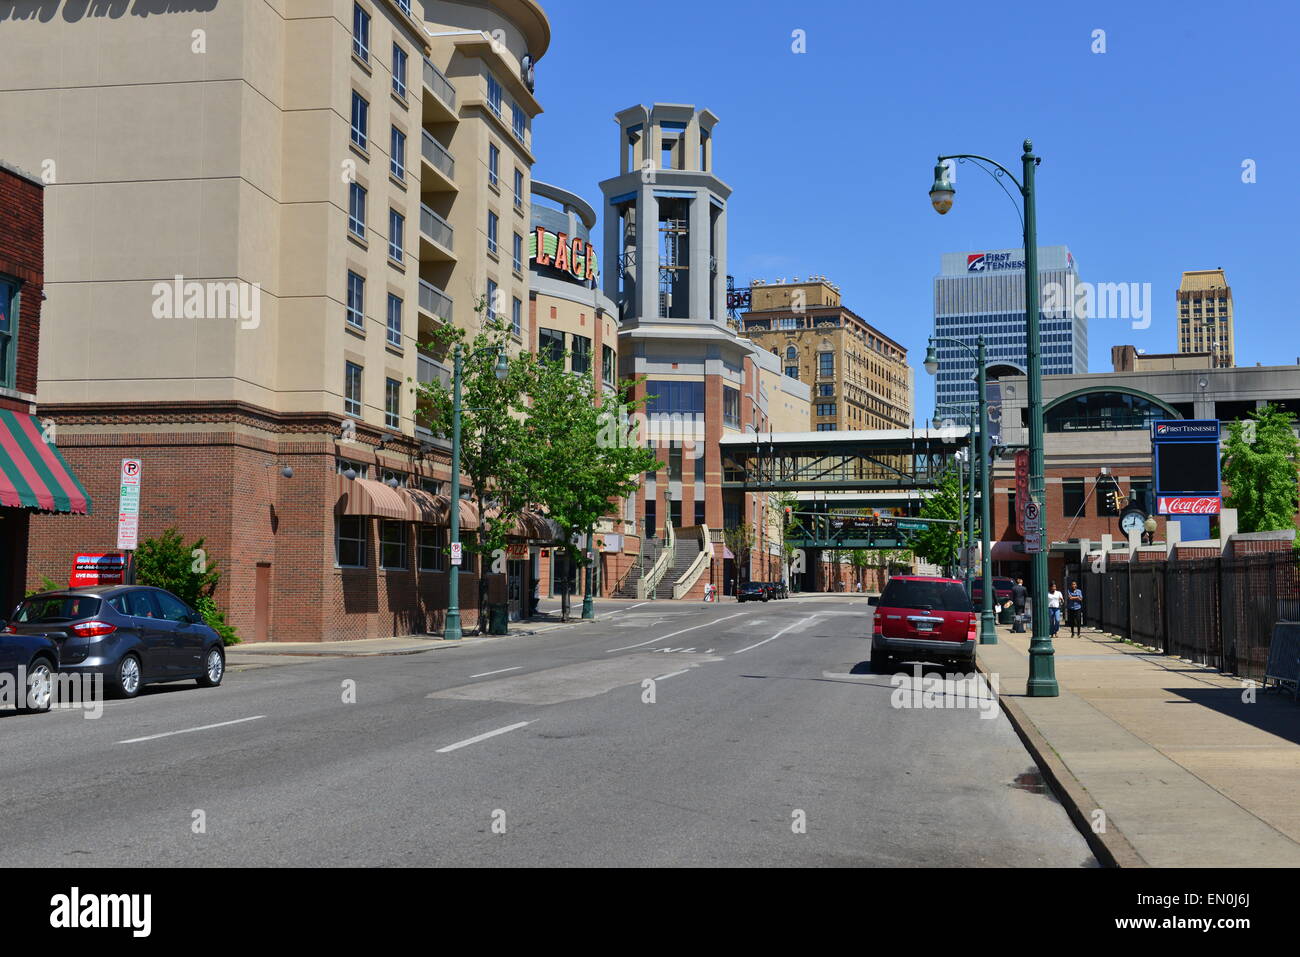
(1132, 522)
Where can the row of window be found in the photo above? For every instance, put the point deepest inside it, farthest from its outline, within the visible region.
(352, 395)
(356, 309)
(352, 546)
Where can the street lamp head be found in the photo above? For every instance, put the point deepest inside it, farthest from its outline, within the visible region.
(941, 193)
(503, 366)
(931, 359)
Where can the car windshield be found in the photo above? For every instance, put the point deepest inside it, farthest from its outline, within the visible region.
(937, 596)
(48, 609)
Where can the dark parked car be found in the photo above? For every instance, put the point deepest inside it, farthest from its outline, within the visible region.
(30, 661)
(920, 618)
(752, 591)
(1001, 592)
(133, 635)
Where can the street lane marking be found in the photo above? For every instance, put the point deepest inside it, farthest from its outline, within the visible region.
(778, 634)
(673, 634)
(482, 737)
(673, 674)
(500, 671)
(206, 727)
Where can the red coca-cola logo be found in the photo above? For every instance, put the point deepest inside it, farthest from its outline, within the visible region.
(1190, 505)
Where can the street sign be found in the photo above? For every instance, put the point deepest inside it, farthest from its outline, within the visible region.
(455, 553)
(128, 505)
(912, 526)
(1033, 542)
(1022, 488)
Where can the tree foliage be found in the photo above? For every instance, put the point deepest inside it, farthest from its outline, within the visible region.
(939, 543)
(187, 572)
(1259, 467)
(739, 540)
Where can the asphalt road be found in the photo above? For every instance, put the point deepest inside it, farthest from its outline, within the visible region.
(768, 742)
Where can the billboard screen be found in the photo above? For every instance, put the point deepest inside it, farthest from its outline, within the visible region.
(1187, 468)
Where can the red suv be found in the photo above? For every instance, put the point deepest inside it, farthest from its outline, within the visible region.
(920, 618)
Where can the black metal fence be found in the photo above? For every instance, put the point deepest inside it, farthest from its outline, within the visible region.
(1219, 612)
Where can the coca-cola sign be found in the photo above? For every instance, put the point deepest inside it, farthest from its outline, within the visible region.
(1188, 505)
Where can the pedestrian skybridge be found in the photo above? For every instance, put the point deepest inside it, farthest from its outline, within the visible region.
(892, 460)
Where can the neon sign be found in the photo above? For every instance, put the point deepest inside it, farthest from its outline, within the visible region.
(572, 255)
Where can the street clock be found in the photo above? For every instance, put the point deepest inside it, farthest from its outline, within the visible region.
(1133, 520)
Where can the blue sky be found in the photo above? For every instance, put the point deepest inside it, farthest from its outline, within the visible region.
(830, 152)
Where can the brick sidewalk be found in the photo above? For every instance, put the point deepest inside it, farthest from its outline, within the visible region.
(1187, 773)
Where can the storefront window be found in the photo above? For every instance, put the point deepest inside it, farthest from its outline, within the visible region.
(350, 543)
(392, 544)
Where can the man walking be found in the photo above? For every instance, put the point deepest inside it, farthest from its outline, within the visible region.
(1019, 597)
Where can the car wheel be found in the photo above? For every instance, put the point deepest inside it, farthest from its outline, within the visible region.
(879, 662)
(214, 668)
(128, 677)
(39, 692)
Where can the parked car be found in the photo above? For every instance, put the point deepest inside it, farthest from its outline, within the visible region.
(1001, 591)
(752, 591)
(780, 590)
(133, 635)
(34, 659)
(922, 618)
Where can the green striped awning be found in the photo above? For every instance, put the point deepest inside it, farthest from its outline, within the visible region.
(33, 474)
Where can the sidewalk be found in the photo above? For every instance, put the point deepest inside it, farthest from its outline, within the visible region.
(1186, 772)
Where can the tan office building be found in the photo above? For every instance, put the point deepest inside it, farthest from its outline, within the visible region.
(255, 217)
(859, 377)
(1205, 316)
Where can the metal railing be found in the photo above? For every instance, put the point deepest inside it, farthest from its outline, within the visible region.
(437, 154)
(435, 227)
(429, 370)
(697, 567)
(434, 301)
(441, 87)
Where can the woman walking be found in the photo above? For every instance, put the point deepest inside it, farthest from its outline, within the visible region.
(1054, 602)
(1074, 605)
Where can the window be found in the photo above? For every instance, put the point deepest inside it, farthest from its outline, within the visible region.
(350, 541)
(494, 95)
(172, 608)
(825, 408)
(825, 364)
(360, 32)
(405, 6)
(491, 300)
(698, 452)
(346, 465)
(360, 119)
(669, 395)
(1072, 497)
(351, 388)
(550, 345)
(791, 354)
(699, 513)
(493, 222)
(517, 316)
(517, 253)
(433, 542)
(608, 364)
(494, 164)
(731, 406)
(399, 70)
(581, 353)
(392, 403)
(8, 333)
(396, 227)
(468, 557)
(519, 189)
(792, 371)
(826, 391)
(517, 120)
(356, 300)
(357, 210)
(825, 426)
(397, 154)
(394, 321)
(675, 464)
(392, 544)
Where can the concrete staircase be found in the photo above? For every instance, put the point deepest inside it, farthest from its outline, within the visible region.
(645, 560)
(686, 551)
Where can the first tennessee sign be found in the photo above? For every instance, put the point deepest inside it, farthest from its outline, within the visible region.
(571, 255)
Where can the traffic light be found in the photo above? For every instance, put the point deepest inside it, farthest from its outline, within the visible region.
(1110, 501)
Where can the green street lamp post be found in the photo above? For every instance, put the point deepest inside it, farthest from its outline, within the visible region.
(451, 629)
(988, 631)
(969, 414)
(1042, 667)
(588, 609)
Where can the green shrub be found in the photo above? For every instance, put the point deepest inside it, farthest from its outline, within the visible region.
(187, 572)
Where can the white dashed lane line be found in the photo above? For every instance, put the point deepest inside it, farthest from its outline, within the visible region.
(674, 634)
(499, 671)
(796, 624)
(483, 737)
(206, 727)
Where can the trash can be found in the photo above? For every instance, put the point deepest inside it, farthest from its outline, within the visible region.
(498, 619)
(1007, 616)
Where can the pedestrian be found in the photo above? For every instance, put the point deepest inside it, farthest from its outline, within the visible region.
(1019, 596)
(1074, 605)
(1055, 601)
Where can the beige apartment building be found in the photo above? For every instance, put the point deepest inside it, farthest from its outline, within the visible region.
(256, 215)
(1205, 316)
(859, 377)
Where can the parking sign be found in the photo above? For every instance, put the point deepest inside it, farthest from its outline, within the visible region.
(128, 505)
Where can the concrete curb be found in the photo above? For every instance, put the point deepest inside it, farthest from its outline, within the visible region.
(1112, 848)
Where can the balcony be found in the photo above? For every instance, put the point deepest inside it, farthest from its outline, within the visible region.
(430, 370)
(440, 162)
(434, 301)
(439, 96)
(435, 237)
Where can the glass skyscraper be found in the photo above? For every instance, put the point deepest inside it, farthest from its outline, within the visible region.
(983, 293)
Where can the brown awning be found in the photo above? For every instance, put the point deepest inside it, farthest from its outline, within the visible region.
(430, 509)
(367, 497)
(531, 524)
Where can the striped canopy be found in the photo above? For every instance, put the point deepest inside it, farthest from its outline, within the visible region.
(33, 474)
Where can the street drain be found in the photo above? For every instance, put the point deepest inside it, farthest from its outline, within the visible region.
(1031, 782)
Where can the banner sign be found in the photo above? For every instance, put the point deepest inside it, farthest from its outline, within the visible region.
(1022, 489)
(1185, 455)
(105, 569)
(1188, 504)
(571, 255)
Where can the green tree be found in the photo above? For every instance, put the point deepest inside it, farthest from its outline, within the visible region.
(739, 540)
(940, 542)
(1259, 467)
(860, 559)
(188, 572)
(578, 454)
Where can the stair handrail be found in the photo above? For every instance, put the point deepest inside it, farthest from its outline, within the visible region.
(649, 582)
(696, 568)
